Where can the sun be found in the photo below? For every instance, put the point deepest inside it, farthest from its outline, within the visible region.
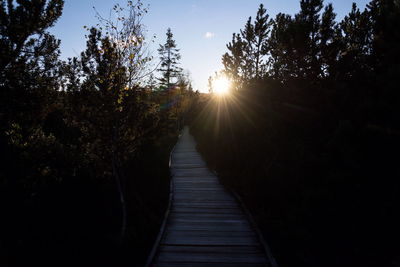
(221, 85)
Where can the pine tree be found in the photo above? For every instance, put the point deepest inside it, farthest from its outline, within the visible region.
(384, 60)
(329, 42)
(248, 38)
(280, 46)
(28, 59)
(151, 83)
(233, 60)
(307, 38)
(261, 32)
(169, 56)
(247, 50)
(385, 18)
(20, 22)
(356, 44)
(29, 83)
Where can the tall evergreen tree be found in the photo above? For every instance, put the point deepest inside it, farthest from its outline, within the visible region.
(248, 38)
(233, 60)
(169, 56)
(261, 33)
(307, 38)
(281, 48)
(385, 18)
(384, 58)
(329, 42)
(247, 51)
(355, 29)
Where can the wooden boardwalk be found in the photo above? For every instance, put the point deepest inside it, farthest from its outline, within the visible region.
(205, 225)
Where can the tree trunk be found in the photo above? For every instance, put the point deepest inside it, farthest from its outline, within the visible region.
(119, 184)
(121, 197)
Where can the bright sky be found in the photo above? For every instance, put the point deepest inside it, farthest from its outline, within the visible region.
(201, 28)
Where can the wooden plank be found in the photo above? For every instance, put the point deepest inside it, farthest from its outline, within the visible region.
(200, 240)
(194, 179)
(199, 215)
(205, 189)
(197, 183)
(192, 186)
(195, 205)
(196, 264)
(188, 181)
(210, 193)
(206, 199)
(200, 200)
(193, 215)
(202, 192)
(208, 227)
(192, 173)
(188, 165)
(208, 221)
(212, 258)
(188, 186)
(209, 233)
(188, 160)
(209, 249)
(206, 210)
(179, 176)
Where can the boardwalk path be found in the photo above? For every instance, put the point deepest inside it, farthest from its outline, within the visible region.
(205, 226)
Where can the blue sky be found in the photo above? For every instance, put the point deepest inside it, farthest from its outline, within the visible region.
(201, 28)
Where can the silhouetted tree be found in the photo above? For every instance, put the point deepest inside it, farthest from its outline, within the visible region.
(113, 111)
(248, 39)
(307, 36)
(29, 80)
(280, 48)
(385, 57)
(233, 60)
(261, 34)
(248, 50)
(169, 56)
(355, 43)
(329, 42)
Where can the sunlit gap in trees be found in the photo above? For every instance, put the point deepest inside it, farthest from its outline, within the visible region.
(225, 105)
(221, 86)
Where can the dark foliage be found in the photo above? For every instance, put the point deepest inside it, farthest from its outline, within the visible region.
(84, 176)
(310, 140)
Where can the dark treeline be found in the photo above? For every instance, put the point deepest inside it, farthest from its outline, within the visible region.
(84, 143)
(310, 132)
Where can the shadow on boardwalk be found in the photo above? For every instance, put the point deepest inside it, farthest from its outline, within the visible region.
(205, 226)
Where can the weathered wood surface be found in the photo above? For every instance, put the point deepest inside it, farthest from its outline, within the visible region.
(205, 226)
